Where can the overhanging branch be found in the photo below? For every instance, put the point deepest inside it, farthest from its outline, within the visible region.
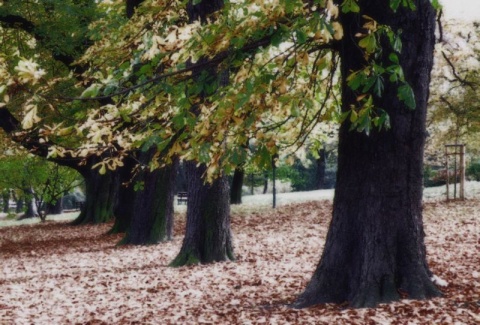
(21, 23)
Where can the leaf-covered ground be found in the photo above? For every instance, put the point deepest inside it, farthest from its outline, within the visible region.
(54, 273)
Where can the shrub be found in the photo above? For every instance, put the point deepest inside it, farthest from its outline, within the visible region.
(473, 171)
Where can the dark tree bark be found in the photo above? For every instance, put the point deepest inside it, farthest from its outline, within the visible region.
(6, 201)
(124, 206)
(375, 245)
(131, 5)
(321, 168)
(152, 209)
(265, 182)
(54, 208)
(20, 205)
(207, 234)
(101, 195)
(237, 185)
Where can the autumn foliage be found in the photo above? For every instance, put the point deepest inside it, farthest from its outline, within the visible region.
(54, 273)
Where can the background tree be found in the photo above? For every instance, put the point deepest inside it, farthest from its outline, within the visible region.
(454, 117)
(55, 37)
(41, 183)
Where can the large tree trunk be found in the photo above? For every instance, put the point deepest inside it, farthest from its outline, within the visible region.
(101, 194)
(375, 249)
(207, 235)
(124, 207)
(152, 213)
(237, 185)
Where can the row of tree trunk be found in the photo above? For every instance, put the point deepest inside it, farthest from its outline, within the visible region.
(374, 251)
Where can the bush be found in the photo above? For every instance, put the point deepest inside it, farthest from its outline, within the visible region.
(473, 171)
(438, 177)
(433, 177)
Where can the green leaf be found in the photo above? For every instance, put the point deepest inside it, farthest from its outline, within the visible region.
(289, 6)
(91, 91)
(394, 4)
(356, 79)
(406, 95)
(395, 40)
(369, 82)
(301, 37)
(378, 86)
(350, 6)
(369, 43)
(394, 58)
(138, 186)
(277, 38)
(436, 4)
(238, 156)
(149, 142)
(179, 121)
(353, 116)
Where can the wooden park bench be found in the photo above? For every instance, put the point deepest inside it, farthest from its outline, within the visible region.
(182, 198)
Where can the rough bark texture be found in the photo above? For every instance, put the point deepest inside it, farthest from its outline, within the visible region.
(237, 185)
(101, 194)
(375, 245)
(152, 218)
(124, 207)
(207, 235)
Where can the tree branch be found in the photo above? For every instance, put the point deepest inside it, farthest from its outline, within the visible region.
(462, 81)
(32, 143)
(21, 23)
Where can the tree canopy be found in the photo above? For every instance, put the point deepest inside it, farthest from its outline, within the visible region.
(86, 80)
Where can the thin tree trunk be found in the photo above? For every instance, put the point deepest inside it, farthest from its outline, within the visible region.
(321, 167)
(237, 185)
(207, 234)
(375, 244)
(252, 185)
(265, 182)
(6, 201)
(20, 204)
(32, 210)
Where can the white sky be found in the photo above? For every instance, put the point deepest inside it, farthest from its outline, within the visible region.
(467, 10)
